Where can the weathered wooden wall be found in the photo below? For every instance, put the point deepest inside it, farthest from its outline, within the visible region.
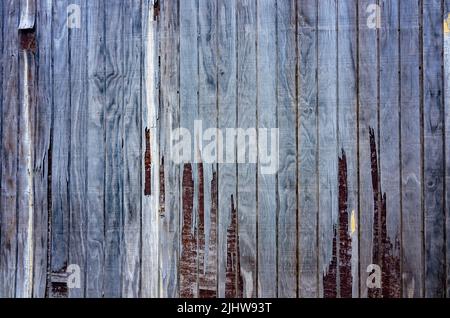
(88, 179)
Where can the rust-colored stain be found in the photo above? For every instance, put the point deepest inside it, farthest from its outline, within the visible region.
(382, 254)
(156, 9)
(148, 164)
(329, 279)
(345, 241)
(162, 195)
(208, 254)
(188, 261)
(344, 260)
(27, 40)
(233, 283)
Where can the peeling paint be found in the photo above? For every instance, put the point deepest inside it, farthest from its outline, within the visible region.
(233, 283)
(188, 261)
(382, 254)
(148, 164)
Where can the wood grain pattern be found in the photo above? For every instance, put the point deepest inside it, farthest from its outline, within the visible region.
(308, 150)
(150, 203)
(433, 137)
(368, 60)
(227, 110)
(328, 141)
(10, 106)
(389, 120)
(78, 146)
(42, 163)
(410, 132)
(266, 56)
(60, 211)
(347, 140)
(287, 123)
(246, 119)
(92, 91)
(170, 116)
(95, 151)
(131, 132)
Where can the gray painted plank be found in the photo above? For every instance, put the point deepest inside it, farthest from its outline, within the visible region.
(26, 121)
(327, 137)
(347, 135)
(390, 144)
(150, 203)
(170, 218)
(78, 145)
(114, 110)
(287, 123)
(227, 107)
(433, 165)
(132, 149)
(8, 242)
(189, 107)
(446, 27)
(207, 104)
(266, 54)
(412, 222)
(308, 151)
(368, 103)
(60, 149)
(41, 149)
(95, 150)
(246, 119)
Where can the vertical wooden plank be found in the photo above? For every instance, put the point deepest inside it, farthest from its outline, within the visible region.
(327, 121)
(410, 134)
(42, 163)
(246, 120)
(114, 93)
(207, 103)
(368, 122)
(132, 149)
(308, 151)
(27, 105)
(60, 150)
(348, 142)
(446, 26)
(433, 133)
(8, 224)
(266, 55)
(287, 123)
(169, 98)
(189, 107)
(227, 108)
(390, 214)
(150, 163)
(78, 142)
(95, 150)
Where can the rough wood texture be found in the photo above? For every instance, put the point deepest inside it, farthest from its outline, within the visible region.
(433, 138)
(411, 165)
(266, 55)
(91, 92)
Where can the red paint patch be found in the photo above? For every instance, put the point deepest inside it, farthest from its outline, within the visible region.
(188, 261)
(329, 280)
(345, 241)
(382, 254)
(148, 164)
(233, 284)
(344, 256)
(27, 40)
(162, 194)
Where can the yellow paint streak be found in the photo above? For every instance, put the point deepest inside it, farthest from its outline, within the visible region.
(446, 24)
(353, 222)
